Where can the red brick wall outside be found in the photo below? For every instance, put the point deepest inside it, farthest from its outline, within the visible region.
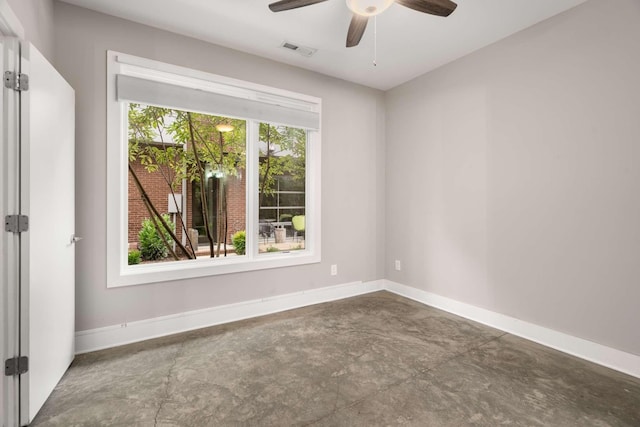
(158, 191)
(236, 205)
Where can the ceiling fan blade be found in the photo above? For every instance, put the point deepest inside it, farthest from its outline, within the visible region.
(356, 29)
(279, 6)
(432, 7)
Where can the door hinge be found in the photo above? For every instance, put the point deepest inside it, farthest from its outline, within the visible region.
(16, 81)
(16, 366)
(16, 223)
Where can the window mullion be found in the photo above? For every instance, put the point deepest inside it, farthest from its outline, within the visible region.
(253, 154)
(308, 193)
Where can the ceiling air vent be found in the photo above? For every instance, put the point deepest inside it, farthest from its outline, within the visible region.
(302, 50)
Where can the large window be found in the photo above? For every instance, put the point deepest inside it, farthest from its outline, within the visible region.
(207, 175)
(282, 188)
(187, 194)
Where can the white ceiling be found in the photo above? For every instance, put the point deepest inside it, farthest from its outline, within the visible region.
(409, 43)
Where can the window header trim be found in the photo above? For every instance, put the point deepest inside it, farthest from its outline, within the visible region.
(145, 91)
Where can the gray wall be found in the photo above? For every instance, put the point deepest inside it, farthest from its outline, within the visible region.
(36, 16)
(352, 167)
(513, 176)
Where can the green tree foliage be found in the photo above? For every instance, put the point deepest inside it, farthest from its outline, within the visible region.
(151, 127)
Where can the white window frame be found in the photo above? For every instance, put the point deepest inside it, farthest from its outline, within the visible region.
(119, 273)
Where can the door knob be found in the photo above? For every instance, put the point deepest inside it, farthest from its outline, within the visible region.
(75, 239)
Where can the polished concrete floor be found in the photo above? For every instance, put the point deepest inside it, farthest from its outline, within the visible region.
(372, 360)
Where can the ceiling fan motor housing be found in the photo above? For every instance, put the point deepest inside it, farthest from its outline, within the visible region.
(369, 7)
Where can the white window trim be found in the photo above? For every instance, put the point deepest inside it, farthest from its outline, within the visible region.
(118, 272)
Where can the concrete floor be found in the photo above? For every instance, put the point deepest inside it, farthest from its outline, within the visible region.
(372, 360)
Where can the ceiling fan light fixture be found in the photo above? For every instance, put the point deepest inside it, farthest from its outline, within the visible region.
(368, 7)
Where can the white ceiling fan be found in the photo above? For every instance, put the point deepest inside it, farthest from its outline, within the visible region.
(364, 9)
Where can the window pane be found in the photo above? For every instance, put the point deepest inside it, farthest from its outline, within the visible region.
(187, 189)
(282, 178)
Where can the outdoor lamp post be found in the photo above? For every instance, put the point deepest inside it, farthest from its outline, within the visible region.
(222, 196)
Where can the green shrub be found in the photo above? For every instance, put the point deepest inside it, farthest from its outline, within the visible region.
(272, 249)
(134, 257)
(151, 245)
(239, 241)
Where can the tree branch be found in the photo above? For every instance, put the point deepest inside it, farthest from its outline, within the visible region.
(154, 211)
(203, 196)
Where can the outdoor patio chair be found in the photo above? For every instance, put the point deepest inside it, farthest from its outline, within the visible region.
(266, 231)
(298, 225)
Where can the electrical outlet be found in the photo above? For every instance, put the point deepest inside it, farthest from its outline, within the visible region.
(398, 265)
(334, 269)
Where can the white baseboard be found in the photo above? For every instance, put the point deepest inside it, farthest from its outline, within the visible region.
(602, 355)
(112, 336)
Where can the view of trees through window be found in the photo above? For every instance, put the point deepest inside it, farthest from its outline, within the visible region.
(188, 186)
(183, 171)
(282, 187)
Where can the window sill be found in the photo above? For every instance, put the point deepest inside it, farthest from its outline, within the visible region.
(190, 269)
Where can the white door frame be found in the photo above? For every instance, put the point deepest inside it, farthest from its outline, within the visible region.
(10, 25)
(11, 247)
(10, 31)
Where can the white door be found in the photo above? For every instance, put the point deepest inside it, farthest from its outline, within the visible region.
(10, 250)
(48, 249)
